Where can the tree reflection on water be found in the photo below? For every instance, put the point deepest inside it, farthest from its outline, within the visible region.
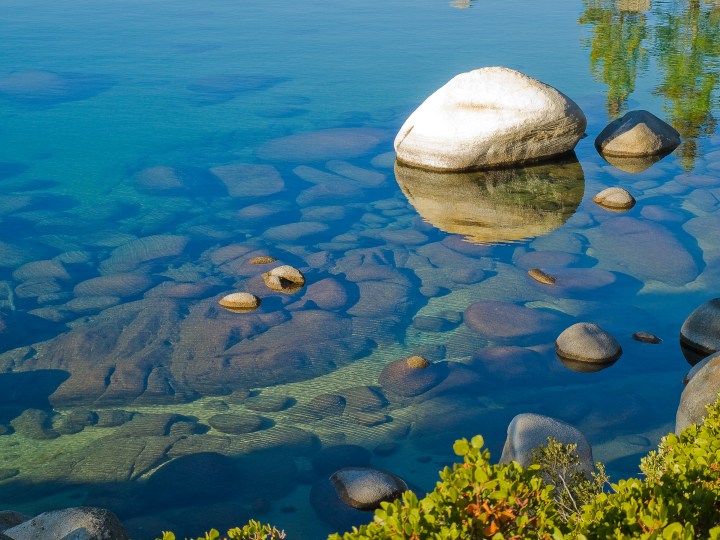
(682, 37)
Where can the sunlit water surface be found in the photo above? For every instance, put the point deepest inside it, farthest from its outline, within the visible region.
(149, 150)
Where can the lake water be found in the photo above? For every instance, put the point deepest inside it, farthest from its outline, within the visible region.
(149, 150)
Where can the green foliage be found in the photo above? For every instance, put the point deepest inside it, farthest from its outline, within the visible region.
(574, 487)
(679, 498)
(254, 530)
(473, 500)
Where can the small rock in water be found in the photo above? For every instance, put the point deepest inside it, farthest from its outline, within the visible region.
(638, 133)
(587, 346)
(240, 302)
(412, 376)
(284, 279)
(646, 337)
(542, 277)
(614, 198)
(262, 260)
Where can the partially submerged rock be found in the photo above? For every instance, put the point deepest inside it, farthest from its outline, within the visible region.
(262, 260)
(700, 333)
(587, 346)
(489, 117)
(412, 376)
(284, 279)
(615, 198)
(240, 302)
(638, 133)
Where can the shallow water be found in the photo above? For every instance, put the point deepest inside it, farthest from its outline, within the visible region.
(150, 151)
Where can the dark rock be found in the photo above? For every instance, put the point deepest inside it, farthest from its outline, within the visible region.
(75, 421)
(324, 406)
(646, 337)
(386, 449)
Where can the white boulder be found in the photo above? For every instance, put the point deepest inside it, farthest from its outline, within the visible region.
(489, 117)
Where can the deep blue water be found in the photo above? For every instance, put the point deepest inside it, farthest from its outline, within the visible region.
(148, 151)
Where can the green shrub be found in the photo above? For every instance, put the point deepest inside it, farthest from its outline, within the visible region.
(679, 498)
(474, 500)
(254, 530)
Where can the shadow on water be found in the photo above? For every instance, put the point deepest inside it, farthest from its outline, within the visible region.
(681, 38)
(496, 206)
(30, 390)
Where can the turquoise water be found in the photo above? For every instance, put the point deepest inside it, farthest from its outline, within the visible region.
(147, 152)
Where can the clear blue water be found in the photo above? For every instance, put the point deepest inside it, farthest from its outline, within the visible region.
(119, 122)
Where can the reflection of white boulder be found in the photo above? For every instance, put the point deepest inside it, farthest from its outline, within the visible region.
(503, 205)
(489, 117)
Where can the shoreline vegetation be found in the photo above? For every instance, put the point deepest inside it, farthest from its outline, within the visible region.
(678, 498)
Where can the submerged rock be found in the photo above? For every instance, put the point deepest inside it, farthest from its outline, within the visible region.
(129, 256)
(638, 133)
(489, 117)
(249, 179)
(322, 145)
(493, 320)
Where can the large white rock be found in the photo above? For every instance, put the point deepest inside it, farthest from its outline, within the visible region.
(489, 117)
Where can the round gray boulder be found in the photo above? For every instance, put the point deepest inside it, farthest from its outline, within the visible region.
(527, 432)
(82, 523)
(365, 488)
(587, 343)
(700, 333)
(638, 133)
(701, 390)
(489, 117)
